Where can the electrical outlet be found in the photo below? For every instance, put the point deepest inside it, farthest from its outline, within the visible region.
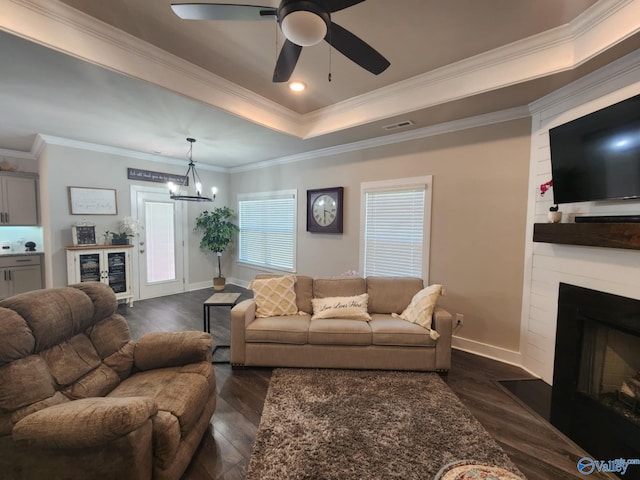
(459, 320)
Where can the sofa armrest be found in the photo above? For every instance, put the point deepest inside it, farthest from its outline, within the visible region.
(89, 422)
(172, 349)
(241, 315)
(443, 324)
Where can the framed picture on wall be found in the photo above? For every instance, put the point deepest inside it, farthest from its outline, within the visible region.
(83, 234)
(92, 201)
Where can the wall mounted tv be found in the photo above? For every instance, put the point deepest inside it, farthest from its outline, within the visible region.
(597, 157)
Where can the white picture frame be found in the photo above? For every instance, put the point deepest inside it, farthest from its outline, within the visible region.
(92, 201)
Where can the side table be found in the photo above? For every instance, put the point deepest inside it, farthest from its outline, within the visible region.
(217, 300)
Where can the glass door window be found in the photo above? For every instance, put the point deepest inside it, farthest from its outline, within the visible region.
(90, 267)
(117, 271)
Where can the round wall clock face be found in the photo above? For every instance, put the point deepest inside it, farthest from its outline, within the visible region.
(324, 210)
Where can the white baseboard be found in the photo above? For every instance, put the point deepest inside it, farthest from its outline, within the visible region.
(238, 282)
(199, 286)
(208, 284)
(489, 351)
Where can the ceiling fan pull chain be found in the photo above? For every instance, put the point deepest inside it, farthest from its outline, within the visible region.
(275, 31)
(330, 49)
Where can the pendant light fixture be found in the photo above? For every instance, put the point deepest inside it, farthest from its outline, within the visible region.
(182, 191)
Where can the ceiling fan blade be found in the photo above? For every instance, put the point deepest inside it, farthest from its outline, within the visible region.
(337, 5)
(222, 11)
(356, 49)
(286, 61)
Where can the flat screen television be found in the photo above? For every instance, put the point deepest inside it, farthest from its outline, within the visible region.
(597, 157)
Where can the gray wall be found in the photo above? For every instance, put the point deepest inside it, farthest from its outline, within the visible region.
(480, 179)
(61, 167)
(480, 182)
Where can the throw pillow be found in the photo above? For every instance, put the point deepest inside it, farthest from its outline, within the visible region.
(351, 308)
(420, 310)
(274, 296)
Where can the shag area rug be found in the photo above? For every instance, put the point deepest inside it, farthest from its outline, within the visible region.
(351, 425)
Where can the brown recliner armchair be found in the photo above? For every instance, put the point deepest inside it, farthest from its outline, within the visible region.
(79, 399)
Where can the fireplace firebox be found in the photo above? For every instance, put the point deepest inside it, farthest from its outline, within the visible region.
(596, 381)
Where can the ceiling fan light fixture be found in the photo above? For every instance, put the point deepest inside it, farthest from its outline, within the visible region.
(297, 86)
(304, 28)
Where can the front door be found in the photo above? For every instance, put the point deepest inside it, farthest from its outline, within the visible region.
(160, 248)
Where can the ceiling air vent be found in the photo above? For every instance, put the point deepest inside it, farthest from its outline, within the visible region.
(395, 126)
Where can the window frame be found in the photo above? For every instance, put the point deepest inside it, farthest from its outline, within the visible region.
(398, 185)
(270, 195)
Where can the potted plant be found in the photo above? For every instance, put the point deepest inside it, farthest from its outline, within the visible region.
(129, 228)
(119, 238)
(217, 233)
(554, 215)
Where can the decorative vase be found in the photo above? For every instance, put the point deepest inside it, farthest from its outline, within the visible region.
(554, 216)
(119, 241)
(218, 283)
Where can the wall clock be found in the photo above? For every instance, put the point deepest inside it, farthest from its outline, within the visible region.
(324, 210)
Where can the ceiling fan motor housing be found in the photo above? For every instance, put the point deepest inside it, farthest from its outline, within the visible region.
(304, 22)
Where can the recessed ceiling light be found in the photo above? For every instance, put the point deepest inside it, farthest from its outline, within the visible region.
(297, 86)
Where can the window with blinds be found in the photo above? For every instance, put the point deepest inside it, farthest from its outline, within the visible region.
(396, 225)
(267, 224)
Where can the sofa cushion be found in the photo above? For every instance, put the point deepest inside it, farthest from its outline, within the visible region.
(338, 287)
(387, 330)
(303, 289)
(420, 310)
(24, 382)
(16, 339)
(304, 293)
(53, 315)
(97, 383)
(391, 294)
(354, 308)
(339, 332)
(109, 335)
(291, 329)
(182, 394)
(70, 360)
(274, 296)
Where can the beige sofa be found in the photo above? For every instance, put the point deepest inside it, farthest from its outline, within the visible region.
(384, 342)
(80, 400)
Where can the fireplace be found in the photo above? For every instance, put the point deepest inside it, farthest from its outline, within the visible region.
(596, 382)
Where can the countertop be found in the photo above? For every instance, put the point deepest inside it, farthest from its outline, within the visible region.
(19, 254)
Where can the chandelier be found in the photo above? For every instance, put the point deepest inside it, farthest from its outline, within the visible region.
(181, 191)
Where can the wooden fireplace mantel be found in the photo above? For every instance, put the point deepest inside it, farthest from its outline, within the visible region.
(608, 235)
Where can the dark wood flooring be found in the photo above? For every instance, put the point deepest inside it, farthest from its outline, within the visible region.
(537, 448)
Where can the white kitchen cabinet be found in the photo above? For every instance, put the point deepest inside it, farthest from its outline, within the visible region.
(107, 264)
(18, 199)
(19, 274)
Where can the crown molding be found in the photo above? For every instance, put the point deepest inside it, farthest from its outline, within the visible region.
(418, 133)
(618, 74)
(43, 140)
(17, 154)
(65, 29)
(605, 24)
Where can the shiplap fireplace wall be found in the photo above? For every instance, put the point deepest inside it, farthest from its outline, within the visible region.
(608, 270)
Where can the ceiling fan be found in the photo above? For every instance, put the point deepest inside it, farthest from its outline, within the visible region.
(303, 22)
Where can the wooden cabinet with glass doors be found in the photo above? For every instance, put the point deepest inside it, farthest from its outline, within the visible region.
(110, 264)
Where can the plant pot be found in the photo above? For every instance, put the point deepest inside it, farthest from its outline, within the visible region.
(119, 241)
(218, 283)
(554, 217)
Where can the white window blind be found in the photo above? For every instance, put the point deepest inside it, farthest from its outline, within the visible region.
(395, 237)
(268, 229)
